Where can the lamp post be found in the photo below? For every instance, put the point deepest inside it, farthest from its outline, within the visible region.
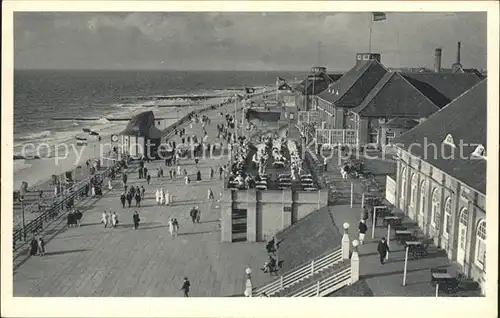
(406, 266)
(248, 283)
(24, 221)
(345, 241)
(388, 239)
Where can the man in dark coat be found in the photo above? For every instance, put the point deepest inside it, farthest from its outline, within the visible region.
(129, 199)
(193, 213)
(185, 287)
(123, 198)
(78, 217)
(137, 199)
(382, 249)
(137, 219)
(362, 228)
(33, 247)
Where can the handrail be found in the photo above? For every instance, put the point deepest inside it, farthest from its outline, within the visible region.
(301, 272)
(325, 286)
(76, 191)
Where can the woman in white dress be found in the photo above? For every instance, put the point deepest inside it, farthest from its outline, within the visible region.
(157, 196)
(110, 187)
(162, 196)
(114, 219)
(104, 219)
(167, 198)
(171, 227)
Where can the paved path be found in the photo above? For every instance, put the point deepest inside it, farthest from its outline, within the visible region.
(93, 261)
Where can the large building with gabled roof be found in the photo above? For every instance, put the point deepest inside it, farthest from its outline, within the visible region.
(369, 98)
(441, 179)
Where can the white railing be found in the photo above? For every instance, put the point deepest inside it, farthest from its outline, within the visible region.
(301, 272)
(326, 286)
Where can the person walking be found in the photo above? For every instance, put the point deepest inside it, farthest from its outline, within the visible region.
(104, 219)
(382, 249)
(136, 219)
(167, 198)
(178, 170)
(78, 217)
(362, 228)
(221, 170)
(148, 178)
(210, 195)
(185, 287)
(198, 214)
(114, 219)
(193, 213)
(34, 246)
(187, 180)
(211, 173)
(157, 196)
(41, 246)
(137, 199)
(162, 196)
(129, 199)
(143, 192)
(175, 224)
(171, 227)
(123, 199)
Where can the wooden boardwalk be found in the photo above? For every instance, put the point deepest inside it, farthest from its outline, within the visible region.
(93, 261)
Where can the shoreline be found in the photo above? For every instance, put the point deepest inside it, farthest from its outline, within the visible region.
(38, 171)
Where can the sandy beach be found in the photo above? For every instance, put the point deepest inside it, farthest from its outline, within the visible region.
(68, 155)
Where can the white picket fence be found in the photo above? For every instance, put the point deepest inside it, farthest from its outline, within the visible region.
(326, 286)
(301, 272)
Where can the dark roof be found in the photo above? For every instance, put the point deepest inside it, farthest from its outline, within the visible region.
(351, 89)
(262, 115)
(394, 96)
(442, 88)
(142, 125)
(335, 77)
(404, 123)
(314, 87)
(465, 120)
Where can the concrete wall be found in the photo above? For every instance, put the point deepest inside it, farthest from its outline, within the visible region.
(268, 212)
(460, 195)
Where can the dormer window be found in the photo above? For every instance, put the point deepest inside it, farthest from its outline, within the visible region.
(366, 57)
(479, 152)
(449, 141)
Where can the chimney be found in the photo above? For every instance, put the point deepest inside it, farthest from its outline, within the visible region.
(437, 61)
(458, 53)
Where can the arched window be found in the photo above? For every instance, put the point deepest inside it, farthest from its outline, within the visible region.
(403, 183)
(414, 187)
(481, 244)
(447, 216)
(436, 208)
(464, 217)
(422, 197)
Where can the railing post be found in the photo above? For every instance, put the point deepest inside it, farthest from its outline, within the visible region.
(312, 267)
(355, 262)
(317, 288)
(281, 282)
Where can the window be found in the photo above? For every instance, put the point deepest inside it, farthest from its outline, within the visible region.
(366, 57)
(291, 116)
(481, 244)
(422, 197)
(447, 217)
(449, 140)
(359, 57)
(479, 152)
(414, 187)
(436, 208)
(373, 137)
(389, 137)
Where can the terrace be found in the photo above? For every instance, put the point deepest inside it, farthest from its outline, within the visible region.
(271, 163)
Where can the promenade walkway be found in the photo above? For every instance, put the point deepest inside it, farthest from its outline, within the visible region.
(93, 261)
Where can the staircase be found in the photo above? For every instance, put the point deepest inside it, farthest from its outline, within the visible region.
(327, 272)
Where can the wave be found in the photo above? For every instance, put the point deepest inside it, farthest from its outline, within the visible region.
(39, 135)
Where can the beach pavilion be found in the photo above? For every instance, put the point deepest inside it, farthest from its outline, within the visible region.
(139, 130)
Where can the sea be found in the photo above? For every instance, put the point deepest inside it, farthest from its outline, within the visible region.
(42, 95)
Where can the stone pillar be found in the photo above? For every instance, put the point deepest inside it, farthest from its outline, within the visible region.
(226, 223)
(345, 242)
(355, 262)
(251, 216)
(286, 208)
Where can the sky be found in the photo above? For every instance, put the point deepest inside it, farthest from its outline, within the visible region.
(242, 41)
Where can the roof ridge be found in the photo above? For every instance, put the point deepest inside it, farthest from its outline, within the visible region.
(369, 64)
(425, 96)
(391, 74)
(458, 97)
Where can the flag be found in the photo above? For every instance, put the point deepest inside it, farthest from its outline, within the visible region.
(378, 16)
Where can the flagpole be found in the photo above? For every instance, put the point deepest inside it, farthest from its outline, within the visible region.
(370, 41)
